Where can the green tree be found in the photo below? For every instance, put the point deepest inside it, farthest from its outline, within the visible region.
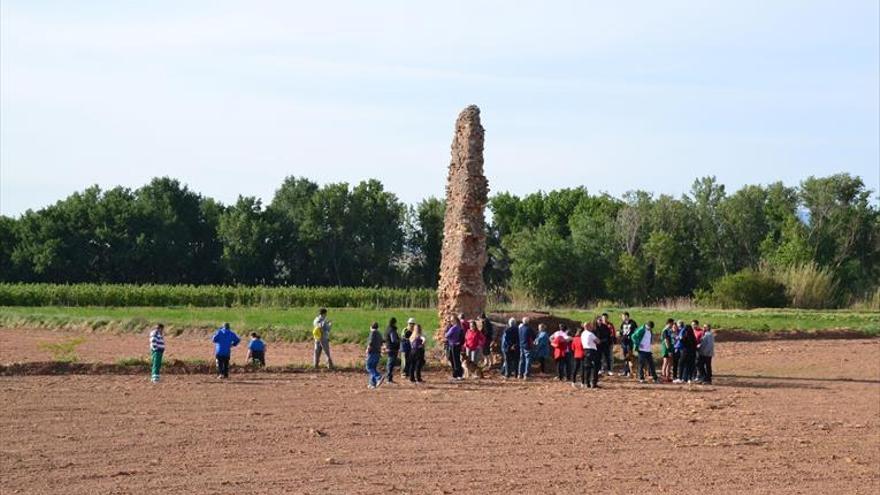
(245, 233)
(425, 242)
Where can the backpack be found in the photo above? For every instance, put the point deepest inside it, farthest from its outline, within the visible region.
(317, 333)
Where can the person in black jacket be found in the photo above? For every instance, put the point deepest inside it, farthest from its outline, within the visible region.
(603, 333)
(374, 351)
(392, 348)
(688, 358)
(510, 349)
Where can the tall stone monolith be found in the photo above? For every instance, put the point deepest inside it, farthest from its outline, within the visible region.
(461, 288)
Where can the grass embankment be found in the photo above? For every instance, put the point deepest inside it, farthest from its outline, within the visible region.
(352, 325)
(275, 324)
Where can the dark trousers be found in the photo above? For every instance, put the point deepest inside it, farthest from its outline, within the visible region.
(258, 357)
(676, 359)
(606, 357)
(562, 369)
(453, 354)
(590, 376)
(407, 363)
(706, 372)
(389, 366)
(627, 351)
(223, 366)
(646, 360)
(686, 365)
(577, 367)
(418, 362)
(511, 363)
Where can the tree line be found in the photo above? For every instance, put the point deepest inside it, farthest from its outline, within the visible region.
(565, 246)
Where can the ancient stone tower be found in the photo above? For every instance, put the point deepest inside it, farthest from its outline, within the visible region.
(461, 288)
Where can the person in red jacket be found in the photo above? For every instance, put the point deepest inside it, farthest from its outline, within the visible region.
(698, 333)
(473, 349)
(577, 351)
(559, 341)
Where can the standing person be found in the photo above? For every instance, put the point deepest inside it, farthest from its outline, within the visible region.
(666, 350)
(542, 346)
(559, 341)
(374, 352)
(627, 327)
(525, 335)
(454, 338)
(256, 354)
(677, 332)
(706, 350)
(603, 332)
(157, 350)
(321, 333)
(224, 340)
(473, 348)
(698, 367)
(643, 338)
(510, 349)
(405, 347)
(488, 338)
(392, 348)
(590, 375)
(688, 355)
(577, 355)
(417, 341)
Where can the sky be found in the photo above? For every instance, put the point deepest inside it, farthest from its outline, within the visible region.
(231, 97)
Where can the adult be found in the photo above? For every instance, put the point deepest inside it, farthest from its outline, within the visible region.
(677, 332)
(706, 350)
(590, 343)
(392, 349)
(406, 348)
(224, 340)
(473, 349)
(542, 347)
(321, 333)
(488, 338)
(627, 327)
(643, 338)
(454, 337)
(698, 367)
(510, 349)
(417, 342)
(604, 333)
(374, 352)
(525, 336)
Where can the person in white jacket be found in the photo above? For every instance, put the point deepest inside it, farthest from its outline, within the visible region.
(590, 376)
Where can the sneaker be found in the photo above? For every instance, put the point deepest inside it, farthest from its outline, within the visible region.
(371, 386)
(610, 373)
(677, 381)
(641, 380)
(379, 381)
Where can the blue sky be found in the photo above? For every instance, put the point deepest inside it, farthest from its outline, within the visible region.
(231, 97)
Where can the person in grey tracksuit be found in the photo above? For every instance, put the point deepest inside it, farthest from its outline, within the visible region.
(322, 344)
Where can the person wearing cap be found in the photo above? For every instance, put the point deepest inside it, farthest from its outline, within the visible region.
(510, 349)
(406, 348)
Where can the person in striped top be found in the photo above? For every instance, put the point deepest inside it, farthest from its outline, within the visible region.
(157, 349)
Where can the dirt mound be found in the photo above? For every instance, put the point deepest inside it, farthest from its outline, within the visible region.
(536, 318)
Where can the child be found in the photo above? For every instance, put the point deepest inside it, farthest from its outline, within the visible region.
(577, 351)
(417, 341)
(542, 346)
(666, 350)
(374, 352)
(706, 349)
(473, 346)
(406, 351)
(559, 342)
(224, 340)
(590, 376)
(256, 351)
(627, 327)
(157, 349)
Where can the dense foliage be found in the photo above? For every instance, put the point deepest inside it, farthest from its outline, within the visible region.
(562, 247)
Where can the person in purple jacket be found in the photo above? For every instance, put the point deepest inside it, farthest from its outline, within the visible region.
(454, 338)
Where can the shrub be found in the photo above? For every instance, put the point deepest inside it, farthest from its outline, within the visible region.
(809, 286)
(746, 289)
(64, 351)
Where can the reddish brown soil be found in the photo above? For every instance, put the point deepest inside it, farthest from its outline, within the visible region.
(782, 417)
(26, 344)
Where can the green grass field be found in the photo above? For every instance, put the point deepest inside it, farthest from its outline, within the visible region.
(352, 325)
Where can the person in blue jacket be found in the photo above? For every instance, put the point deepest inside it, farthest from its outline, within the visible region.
(542, 347)
(224, 340)
(256, 351)
(510, 349)
(526, 335)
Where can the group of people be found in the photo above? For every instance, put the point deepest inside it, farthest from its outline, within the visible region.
(581, 355)
(686, 349)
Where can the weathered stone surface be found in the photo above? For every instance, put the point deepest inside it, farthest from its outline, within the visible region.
(461, 288)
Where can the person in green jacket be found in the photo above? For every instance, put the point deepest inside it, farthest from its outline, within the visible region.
(642, 340)
(667, 348)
